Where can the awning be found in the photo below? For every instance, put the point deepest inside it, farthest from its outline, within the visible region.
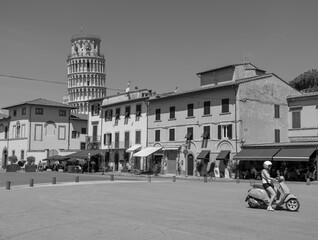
(84, 153)
(171, 148)
(134, 148)
(204, 154)
(188, 135)
(56, 158)
(224, 154)
(147, 151)
(263, 154)
(294, 154)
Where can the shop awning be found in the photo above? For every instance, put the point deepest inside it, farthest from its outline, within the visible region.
(134, 148)
(147, 151)
(171, 148)
(84, 153)
(294, 154)
(263, 154)
(56, 158)
(224, 154)
(204, 154)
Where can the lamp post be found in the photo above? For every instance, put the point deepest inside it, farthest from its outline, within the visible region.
(89, 157)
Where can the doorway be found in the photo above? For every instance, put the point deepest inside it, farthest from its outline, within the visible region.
(190, 161)
(116, 161)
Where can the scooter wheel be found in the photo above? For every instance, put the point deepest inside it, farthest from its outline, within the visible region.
(292, 205)
(252, 203)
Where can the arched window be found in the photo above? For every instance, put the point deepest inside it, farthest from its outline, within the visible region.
(50, 127)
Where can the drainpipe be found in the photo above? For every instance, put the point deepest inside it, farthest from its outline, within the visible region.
(30, 127)
(235, 123)
(147, 114)
(147, 139)
(103, 154)
(8, 142)
(69, 130)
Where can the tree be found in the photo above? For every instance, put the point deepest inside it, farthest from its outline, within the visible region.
(306, 82)
(30, 160)
(13, 159)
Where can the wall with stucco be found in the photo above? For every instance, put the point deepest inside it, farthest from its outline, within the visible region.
(256, 110)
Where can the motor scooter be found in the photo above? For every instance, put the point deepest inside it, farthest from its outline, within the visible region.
(257, 197)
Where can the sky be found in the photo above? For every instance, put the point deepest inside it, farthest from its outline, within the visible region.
(158, 45)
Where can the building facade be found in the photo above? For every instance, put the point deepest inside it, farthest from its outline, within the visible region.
(235, 105)
(40, 128)
(119, 124)
(85, 72)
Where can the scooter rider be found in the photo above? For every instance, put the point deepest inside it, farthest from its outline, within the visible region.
(267, 182)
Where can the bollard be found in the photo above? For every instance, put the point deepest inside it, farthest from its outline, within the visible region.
(308, 181)
(53, 180)
(77, 179)
(8, 185)
(112, 177)
(174, 178)
(149, 178)
(205, 179)
(237, 180)
(31, 182)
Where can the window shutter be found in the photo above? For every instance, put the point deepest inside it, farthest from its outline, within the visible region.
(219, 132)
(106, 115)
(229, 131)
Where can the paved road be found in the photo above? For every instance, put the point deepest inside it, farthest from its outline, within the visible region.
(156, 210)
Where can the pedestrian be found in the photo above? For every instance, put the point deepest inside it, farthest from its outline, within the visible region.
(211, 171)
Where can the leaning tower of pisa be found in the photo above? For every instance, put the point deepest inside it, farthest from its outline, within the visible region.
(85, 72)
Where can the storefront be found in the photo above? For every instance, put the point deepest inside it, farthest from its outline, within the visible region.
(147, 158)
(223, 158)
(93, 158)
(202, 163)
(294, 162)
(134, 162)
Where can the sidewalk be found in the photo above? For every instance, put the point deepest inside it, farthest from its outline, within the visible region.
(197, 178)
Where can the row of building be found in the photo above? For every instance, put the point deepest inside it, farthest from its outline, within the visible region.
(239, 112)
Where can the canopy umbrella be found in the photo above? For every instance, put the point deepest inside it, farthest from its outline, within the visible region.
(56, 158)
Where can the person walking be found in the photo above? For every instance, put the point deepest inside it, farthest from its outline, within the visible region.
(211, 171)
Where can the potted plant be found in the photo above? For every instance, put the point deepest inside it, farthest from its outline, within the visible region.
(30, 166)
(13, 167)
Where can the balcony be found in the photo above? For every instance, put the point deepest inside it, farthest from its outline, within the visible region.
(117, 145)
(93, 139)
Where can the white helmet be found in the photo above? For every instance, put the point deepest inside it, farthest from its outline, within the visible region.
(266, 164)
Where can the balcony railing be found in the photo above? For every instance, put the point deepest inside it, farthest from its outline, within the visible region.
(93, 139)
(117, 145)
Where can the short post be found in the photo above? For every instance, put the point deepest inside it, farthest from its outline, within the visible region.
(111, 177)
(237, 179)
(205, 178)
(149, 178)
(31, 182)
(8, 185)
(174, 178)
(308, 181)
(53, 180)
(77, 179)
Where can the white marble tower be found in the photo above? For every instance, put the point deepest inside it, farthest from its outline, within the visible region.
(85, 72)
